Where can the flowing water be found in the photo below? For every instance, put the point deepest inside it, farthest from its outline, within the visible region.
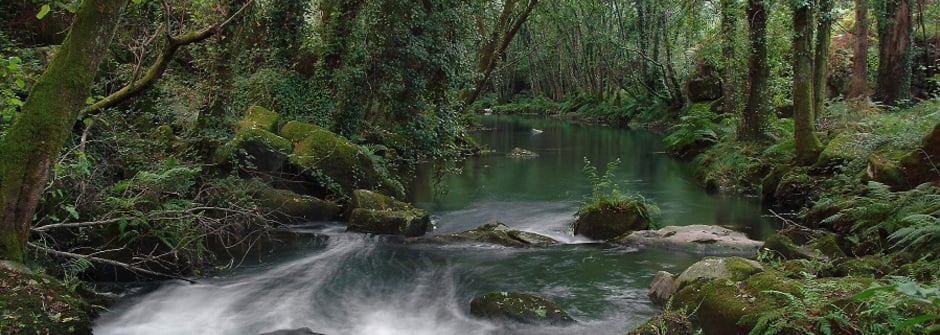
(347, 283)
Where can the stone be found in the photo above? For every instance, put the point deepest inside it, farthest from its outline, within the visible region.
(662, 287)
(518, 307)
(298, 331)
(609, 220)
(335, 163)
(372, 212)
(710, 268)
(521, 153)
(494, 233)
(295, 208)
(699, 239)
(812, 245)
(259, 118)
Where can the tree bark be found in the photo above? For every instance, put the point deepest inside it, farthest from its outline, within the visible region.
(754, 116)
(821, 59)
(858, 87)
(894, 52)
(805, 141)
(45, 122)
(729, 70)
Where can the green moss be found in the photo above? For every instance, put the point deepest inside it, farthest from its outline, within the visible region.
(497, 233)
(842, 148)
(297, 131)
(38, 304)
(372, 212)
(518, 307)
(605, 220)
(261, 118)
(296, 207)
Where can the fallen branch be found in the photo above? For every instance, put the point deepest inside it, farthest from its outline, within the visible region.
(122, 265)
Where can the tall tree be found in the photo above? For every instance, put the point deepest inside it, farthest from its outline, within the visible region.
(45, 122)
(895, 54)
(806, 143)
(754, 115)
(821, 58)
(729, 72)
(858, 87)
(507, 26)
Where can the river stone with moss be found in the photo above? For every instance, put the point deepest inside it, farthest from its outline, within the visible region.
(608, 220)
(518, 307)
(372, 212)
(38, 304)
(699, 239)
(294, 208)
(496, 233)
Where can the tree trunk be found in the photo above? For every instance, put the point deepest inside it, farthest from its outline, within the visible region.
(858, 88)
(729, 70)
(805, 141)
(894, 52)
(754, 115)
(503, 33)
(821, 59)
(45, 122)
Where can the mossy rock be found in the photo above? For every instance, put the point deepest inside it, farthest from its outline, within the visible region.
(260, 118)
(710, 268)
(521, 153)
(296, 131)
(293, 208)
(726, 306)
(886, 171)
(770, 181)
(795, 188)
(813, 245)
(844, 147)
(372, 212)
(337, 164)
(871, 266)
(611, 219)
(495, 233)
(668, 322)
(33, 303)
(662, 287)
(518, 307)
(263, 149)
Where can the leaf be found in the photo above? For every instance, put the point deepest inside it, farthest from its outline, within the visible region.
(43, 12)
(20, 83)
(72, 211)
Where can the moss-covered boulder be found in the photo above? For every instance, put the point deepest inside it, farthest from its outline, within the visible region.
(699, 239)
(729, 306)
(372, 212)
(337, 164)
(709, 268)
(293, 208)
(813, 245)
(521, 153)
(795, 188)
(668, 322)
(871, 266)
(886, 171)
(32, 303)
(608, 220)
(518, 307)
(259, 118)
(844, 147)
(494, 233)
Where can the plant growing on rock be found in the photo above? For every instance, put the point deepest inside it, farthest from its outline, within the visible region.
(607, 212)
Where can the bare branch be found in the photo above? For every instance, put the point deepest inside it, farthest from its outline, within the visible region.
(122, 265)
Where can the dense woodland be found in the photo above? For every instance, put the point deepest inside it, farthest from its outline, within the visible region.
(136, 137)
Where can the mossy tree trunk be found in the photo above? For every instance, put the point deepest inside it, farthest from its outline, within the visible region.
(805, 141)
(45, 122)
(858, 88)
(729, 69)
(821, 59)
(894, 51)
(754, 115)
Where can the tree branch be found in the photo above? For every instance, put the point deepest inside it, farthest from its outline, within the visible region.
(122, 265)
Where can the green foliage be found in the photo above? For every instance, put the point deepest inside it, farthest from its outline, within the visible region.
(884, 302)
(811, 311)
(606, 193)
(907, 218)
(698, 128)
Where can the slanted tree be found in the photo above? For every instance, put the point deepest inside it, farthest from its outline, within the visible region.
(46, 118)
(806, 143)
(895, 51)
(754, 116)
(511, 18)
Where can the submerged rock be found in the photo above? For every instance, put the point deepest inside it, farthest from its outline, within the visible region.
(609, 220)
(371, 212)
(699, 239)
(521, 153)
(495, 233)
(518, 307)
(293, 207)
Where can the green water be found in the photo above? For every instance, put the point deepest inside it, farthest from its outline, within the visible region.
(336, 282)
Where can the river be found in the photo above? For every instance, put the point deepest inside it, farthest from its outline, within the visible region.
(347, 283)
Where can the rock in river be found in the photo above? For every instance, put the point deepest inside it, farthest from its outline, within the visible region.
(518, 307)
(371, 212)
(699, 239)
(496, 233)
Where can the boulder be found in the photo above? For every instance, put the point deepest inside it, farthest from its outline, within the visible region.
(710, 268)
(704, 85)
(256, 143)
(813, 245)
(494, 233)
(730, 306)
(662, 287)
(337, 164)
(844, 147)
(295, 208)
(521, 153)
(518, 307)
(699, 239)
(608, 220)
(371, 212)
(259, 118)
(34, 303)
